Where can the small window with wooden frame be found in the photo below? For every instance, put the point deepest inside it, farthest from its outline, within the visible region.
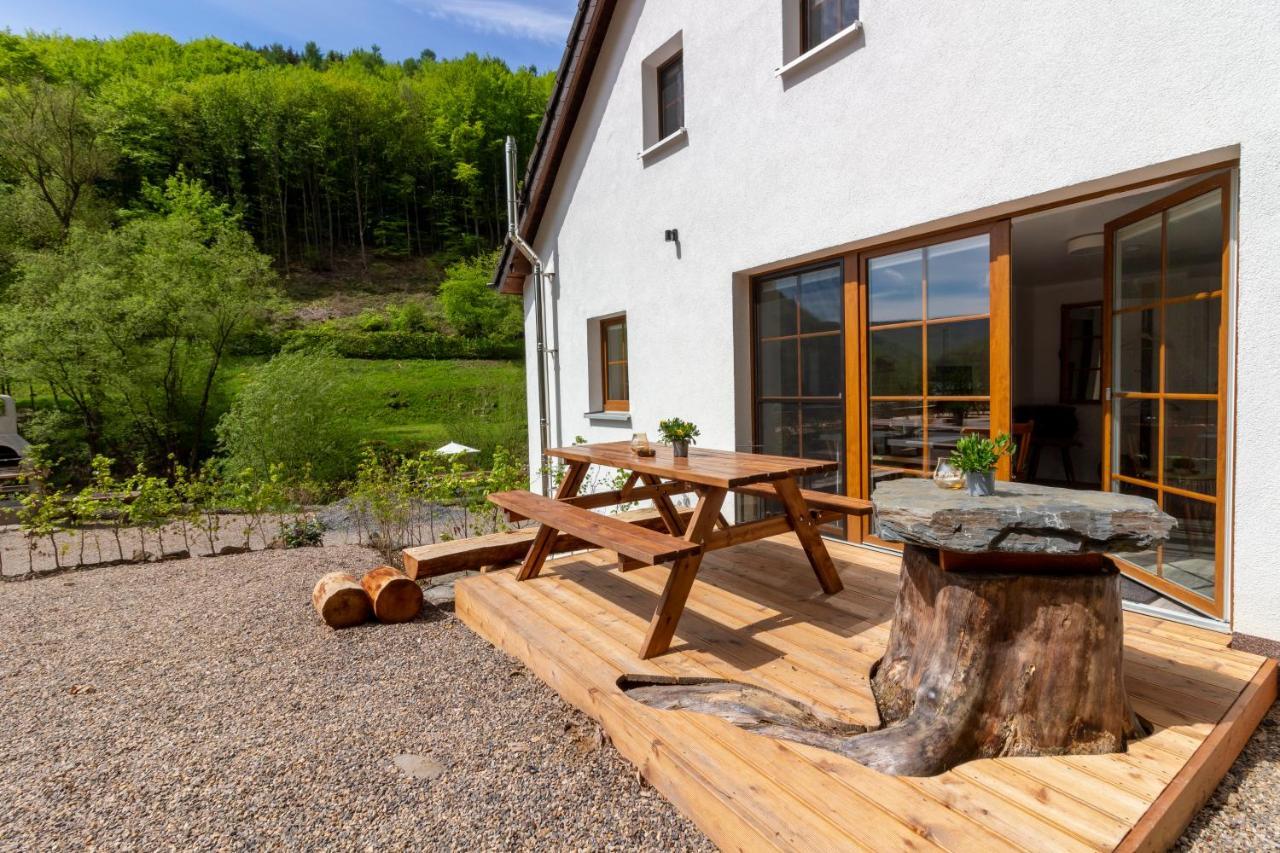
(614, 384)
(671, 96)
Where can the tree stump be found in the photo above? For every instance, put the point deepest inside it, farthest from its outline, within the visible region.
(395, 598)
(341, 601)
(988, 664)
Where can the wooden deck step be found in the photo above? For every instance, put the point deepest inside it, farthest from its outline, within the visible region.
(824, 501)
(605, 531)
(500, 549)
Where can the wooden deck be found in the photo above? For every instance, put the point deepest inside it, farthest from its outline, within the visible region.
(755, 616)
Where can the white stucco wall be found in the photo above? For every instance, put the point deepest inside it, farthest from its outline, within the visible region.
(937, 111)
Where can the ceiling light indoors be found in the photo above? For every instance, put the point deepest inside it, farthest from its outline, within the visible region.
(1085, 244)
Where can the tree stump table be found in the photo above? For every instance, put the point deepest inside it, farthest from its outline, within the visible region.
(1007, 636)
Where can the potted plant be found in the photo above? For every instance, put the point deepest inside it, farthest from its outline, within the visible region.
(977, 455)
(679, 434)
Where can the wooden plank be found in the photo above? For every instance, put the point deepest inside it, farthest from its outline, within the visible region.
(719, 468)
(639, 543)
(751, 622)
(738, 814)
(840, 504)
(499, 549)
(1169, 815)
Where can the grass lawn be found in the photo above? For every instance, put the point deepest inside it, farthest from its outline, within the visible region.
(419, 405)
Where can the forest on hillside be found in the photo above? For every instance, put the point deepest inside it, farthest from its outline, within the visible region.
(199, 240)
(320, 154)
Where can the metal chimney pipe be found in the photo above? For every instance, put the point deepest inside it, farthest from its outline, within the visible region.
(513, 235)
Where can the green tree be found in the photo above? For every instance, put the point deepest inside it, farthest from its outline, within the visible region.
(50, 139)
(292, 414)
(132, 326)
(472, 307)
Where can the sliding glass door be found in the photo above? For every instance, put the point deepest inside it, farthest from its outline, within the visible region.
(1166, 336)
(934, 341)
(799, 369)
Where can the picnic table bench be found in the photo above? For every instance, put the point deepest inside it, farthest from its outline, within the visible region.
(710, 475)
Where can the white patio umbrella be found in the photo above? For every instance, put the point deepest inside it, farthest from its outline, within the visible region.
(455, 449)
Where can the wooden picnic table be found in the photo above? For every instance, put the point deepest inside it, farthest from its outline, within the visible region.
(710, 475)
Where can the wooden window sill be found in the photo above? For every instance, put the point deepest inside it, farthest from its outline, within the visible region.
(663, 144)
(814, 53)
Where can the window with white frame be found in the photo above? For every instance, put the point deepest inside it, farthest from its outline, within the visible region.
(662, 93)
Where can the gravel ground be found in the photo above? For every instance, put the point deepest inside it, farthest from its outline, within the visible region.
(199, 704)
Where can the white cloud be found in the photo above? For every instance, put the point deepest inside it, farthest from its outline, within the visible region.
(504, 17)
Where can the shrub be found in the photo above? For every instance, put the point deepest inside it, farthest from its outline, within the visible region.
(304, 533)
(472, 307)
(389, 345)
(292, 414)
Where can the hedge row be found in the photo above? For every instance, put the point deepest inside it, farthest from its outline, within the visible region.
(353, 343)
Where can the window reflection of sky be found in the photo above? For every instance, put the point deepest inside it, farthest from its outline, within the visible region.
(958, 281)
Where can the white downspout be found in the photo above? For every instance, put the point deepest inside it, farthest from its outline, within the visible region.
(513, 234)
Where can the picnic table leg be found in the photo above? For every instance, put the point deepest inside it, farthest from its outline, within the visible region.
(663, 625)
(666, 509)
(545, 538)
(807, 533)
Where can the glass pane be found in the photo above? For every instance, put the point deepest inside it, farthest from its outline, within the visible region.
(959, 359)
(959, 278)
(1138, 262)
(824, 21)
(849, 11)
(1082, 353)
(822, 437)
(780, 429)
(1137, 351)
(1194, 244)
(778, 369)
(617, 389)
(1189, 555)
(821, 358)
(897, 436)
(1191, 445)
(896, 362)
(821, 301)
(1136, 438)
(1191, 346)
(776, 307)
(895, 285)
(615, 342)
(950, 420)
(1147, 560)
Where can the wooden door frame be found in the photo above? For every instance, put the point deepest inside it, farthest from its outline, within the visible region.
(1216, 607)
(857, 328)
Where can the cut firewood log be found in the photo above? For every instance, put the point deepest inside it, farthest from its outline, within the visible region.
(341, 601)
(395, 597)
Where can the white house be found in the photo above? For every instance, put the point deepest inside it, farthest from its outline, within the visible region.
(854, 230)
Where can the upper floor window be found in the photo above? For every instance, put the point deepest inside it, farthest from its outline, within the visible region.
(822, 19)
(613, 361)
(671, 96)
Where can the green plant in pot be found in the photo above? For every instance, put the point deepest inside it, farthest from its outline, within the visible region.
(679, 434)
(977, 456)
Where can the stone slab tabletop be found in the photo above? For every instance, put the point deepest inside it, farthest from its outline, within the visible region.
(1020, 518)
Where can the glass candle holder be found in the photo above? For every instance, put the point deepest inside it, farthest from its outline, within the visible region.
(640, 442)
(947, 476)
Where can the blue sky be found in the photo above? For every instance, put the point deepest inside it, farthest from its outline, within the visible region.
(522, 32)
